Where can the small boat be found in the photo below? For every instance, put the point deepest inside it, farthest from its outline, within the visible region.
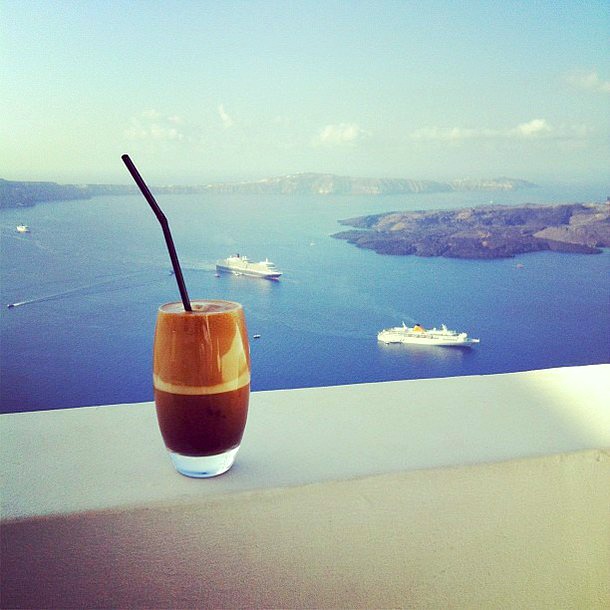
(23, 229)
(419, 335)
(242, 265)
(256, 336)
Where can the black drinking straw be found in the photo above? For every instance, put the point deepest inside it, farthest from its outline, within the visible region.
(164, 225)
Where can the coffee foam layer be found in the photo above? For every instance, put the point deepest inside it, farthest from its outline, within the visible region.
(201, 354)
(204, 306)
(189, 390)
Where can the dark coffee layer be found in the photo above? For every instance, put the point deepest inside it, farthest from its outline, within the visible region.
(202, 425)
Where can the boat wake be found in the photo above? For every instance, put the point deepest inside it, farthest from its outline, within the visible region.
(83, 289)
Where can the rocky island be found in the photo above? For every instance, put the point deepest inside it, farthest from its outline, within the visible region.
(485, 232)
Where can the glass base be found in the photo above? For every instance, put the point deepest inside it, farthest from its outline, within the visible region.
(204, 466)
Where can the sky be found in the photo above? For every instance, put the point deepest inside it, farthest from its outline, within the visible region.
(206, 91)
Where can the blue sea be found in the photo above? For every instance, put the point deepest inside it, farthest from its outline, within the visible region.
(91, 275)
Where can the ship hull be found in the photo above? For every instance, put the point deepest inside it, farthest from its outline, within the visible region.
(437, 342)
(250, 272)
(442, 339)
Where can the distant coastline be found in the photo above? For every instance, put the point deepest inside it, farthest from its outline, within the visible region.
(331, 184)
(484, 232)
(15, 194)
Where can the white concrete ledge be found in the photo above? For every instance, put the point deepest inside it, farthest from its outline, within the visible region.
(107, 457)
(463, 492)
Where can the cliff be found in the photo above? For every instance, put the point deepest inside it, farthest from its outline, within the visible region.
(484, 232)
(330, 184)
(14, 194)
(18, 194)
(23, 194)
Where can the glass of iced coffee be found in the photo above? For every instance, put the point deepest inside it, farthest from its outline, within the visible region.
(201, 376)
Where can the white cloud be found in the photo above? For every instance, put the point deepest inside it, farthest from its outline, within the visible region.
(225, 117)
(588, 80)
(530, 130)
(342, 134)
(152, 125)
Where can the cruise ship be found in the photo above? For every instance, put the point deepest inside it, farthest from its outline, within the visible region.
(419, 335)
(242, 265)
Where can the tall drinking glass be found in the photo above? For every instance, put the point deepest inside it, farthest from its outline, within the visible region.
(201, 376)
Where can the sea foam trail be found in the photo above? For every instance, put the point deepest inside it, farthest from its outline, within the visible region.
(79, 289)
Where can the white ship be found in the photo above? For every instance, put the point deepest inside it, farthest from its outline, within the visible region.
(242, 265)
(419, 335)
(23, 229)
